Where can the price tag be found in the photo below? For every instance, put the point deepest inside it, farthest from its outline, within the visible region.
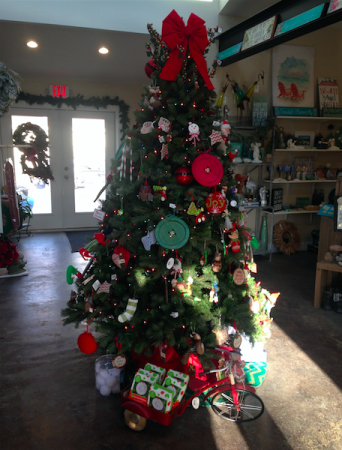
(99, 215)
(119, 361)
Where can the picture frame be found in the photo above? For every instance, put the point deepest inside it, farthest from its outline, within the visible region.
(261, 32)
(334, 5)
(306, 136)
(293, 76)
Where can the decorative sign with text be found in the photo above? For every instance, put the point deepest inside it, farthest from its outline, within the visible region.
(328, 93)
(259, 33)
(260, 110)
(99, 215)
(59, 91)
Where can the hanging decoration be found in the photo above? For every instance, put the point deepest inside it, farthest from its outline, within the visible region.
(121, 256)
(164, 151)
(172, 232)
(207, 169)
(37, 142)
(239, 276)
(179, 38)
(215, 202)
(146, 128)
(215, 137)
(184, 176)
(217, 264)
(75, 102)
(145, 193)
(148, 240)
(164, 124)
(86, 343)
(194, 133)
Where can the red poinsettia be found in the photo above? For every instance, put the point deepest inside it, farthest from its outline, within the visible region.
(8, 254)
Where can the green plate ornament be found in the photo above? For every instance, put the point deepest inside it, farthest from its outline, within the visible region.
(172, 232)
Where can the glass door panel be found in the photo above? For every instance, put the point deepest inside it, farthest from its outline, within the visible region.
(89, 162)
(37, 192)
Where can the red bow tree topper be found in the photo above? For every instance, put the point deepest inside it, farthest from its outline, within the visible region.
(178, 36)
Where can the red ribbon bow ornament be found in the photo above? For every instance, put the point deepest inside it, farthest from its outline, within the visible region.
(177, 37)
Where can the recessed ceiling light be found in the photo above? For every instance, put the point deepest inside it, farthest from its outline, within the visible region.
(103, 50)
(32, 44)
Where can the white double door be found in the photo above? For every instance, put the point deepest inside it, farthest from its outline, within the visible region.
(81, 146)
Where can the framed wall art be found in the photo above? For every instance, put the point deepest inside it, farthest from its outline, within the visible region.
(307, 136)
(293, 76)
(262, 32)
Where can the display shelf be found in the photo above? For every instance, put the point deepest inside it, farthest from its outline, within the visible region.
(323, 150)
(298, 181)
(316, 119)
(252, 164)
(283, 212)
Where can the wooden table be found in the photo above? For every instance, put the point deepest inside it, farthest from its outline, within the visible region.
(323, 269)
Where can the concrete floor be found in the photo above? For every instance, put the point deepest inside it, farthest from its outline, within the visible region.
(47, 393)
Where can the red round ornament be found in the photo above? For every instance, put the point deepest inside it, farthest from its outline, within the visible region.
(184, 176)
(150, 67)
(87, 343)
(207, 170)
(215, 203)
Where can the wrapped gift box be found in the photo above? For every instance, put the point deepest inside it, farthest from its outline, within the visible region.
(178, 387)
(158, 370)
(160, 398)
(179, 375)
(142, 382)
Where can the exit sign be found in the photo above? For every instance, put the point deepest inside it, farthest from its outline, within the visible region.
(59, 91)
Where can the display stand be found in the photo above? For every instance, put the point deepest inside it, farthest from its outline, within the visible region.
(328, 237)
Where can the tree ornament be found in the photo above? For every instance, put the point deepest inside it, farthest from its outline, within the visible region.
(149, 240)
(145, 193)
(169, 138)
(120, 256)
(215, 202)
(147, 128)
(192, 210)
(207, 170)
(172, 232)
(164, 151)
(233, 154)
(239, 277)
(194, 133)
(184, 176)
(217, 264)
(150, 67)
(164, 124)
(161, 193)
(104, 287)
(201, 218)
(130, 310)
(199, 346)
(215, 137)
(70, 273)
(154, 101)
(225, 129)
(234, 243)
(86, 343)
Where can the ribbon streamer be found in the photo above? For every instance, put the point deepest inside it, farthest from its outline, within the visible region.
(177, 37)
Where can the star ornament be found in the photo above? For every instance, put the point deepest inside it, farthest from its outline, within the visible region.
(215, 137)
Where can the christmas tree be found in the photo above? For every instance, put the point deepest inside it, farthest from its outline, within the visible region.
(170, 267)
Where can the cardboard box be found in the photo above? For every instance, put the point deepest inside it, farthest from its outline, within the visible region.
(178, 387)
(179, 375)
(143, 380)
(160, 398)
(158, 370)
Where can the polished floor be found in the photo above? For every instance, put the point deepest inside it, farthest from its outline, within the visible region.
(47, 393)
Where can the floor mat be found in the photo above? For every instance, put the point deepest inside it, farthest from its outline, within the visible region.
(79, 239)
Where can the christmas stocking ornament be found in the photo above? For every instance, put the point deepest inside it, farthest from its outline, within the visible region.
(130, 310)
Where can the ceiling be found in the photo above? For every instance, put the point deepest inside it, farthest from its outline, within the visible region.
(69, 34)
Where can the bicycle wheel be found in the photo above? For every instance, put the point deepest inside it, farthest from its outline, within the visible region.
(250, 406)
(134, 421)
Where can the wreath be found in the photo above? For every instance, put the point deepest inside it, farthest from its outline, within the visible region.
(9, 88)
(286, 237)
(35, 155)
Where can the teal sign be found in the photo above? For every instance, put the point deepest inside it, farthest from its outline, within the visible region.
(229, 52)
(297, 21)
(293, 111)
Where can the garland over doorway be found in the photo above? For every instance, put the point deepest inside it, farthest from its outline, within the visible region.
(79, 100)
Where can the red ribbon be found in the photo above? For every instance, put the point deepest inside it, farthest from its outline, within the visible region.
(176, 35)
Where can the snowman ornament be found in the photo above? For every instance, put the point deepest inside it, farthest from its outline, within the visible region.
(194, 132)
